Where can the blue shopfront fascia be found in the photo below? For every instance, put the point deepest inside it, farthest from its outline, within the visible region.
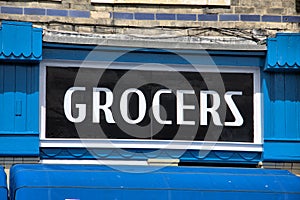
(279, 88)
(280, 85)
(20, 54)
(278, 68)
(229, 150)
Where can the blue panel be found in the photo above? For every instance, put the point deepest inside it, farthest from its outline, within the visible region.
(292, 106)
(281, 116)
(278, 105)
(253, 18)
(14, 42)
(19, 41)
(271, 18)
(144, 16)
(207, 17)
(144, 182)
(283, 52)
(282, 150)
(122, 15)
(228, 17)
(37, 43)
(34, 11)
(165, 16)
(20, 99)
(79, 13)
(8, 122)
(188, 17)
(1, 94)
(202, 57)
(272, 53)
(19, 109)
(11, 10)
(291, 19)
(33, 97)
(3, 185)
(26, 144)
(144, 154)
(55, 12)
(267, 88)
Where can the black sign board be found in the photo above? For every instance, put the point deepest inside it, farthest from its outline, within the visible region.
(117, 108)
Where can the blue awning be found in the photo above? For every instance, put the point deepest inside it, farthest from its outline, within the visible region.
(19, 41)
(3, 185)
(283, 52)
(143, 182)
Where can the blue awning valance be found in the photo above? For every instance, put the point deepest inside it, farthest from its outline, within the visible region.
(283, 52)
(19, 41)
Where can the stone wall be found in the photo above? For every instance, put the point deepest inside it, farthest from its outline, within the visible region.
(153, 19)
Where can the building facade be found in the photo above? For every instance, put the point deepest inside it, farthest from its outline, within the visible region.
(226, 73)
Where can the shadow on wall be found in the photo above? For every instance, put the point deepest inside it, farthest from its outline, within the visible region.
(282, 105)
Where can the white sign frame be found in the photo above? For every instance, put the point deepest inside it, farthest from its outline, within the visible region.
(256, 146)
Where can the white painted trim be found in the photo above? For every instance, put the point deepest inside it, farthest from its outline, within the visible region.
(154, 67)
(196, 145)
(96, 162)
(152, 144)
(257, 110)
(42, 100)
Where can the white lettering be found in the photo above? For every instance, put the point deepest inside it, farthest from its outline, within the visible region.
(156, 106)
(181, 107)
(213, 110)
(97, 107)
(124, 106)
(180, 110)
(68, 106)
(237, 115)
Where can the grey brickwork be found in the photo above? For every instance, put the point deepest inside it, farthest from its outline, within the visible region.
(8, 161)
(152, 19)
(293, 167)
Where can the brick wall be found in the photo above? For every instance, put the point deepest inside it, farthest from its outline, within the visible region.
(292, 167)
(149, 19)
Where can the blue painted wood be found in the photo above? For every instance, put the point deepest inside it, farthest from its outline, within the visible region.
(33, 98)
(279, 111)
(281, 150)
(3, 185)
(196, 156)
(267, 107)
(8, 122)
(20, 96)
(292, 120)
(20, 41)
(283, 52)
(135, 55)
(37, 43)
(272, 53)
(281, 116)
(1, 94)
(19, 144)
(19, 109)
